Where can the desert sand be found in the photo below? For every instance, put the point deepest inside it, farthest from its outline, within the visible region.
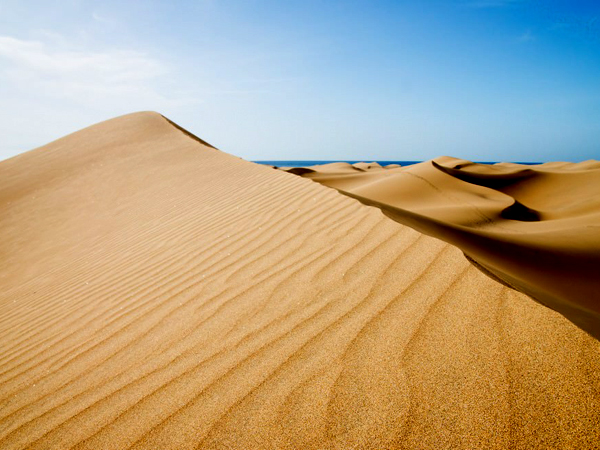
(158, 293)
(534, 227)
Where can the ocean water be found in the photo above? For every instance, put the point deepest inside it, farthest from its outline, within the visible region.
(302, 163)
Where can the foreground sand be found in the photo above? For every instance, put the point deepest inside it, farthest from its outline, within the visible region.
(160, 294)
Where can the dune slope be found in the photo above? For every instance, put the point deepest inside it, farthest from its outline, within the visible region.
(535, 228)
(160, 294)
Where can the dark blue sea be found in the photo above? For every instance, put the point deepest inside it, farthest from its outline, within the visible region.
(302, 163)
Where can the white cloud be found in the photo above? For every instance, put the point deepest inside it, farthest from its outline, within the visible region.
(63, 72)
(528, 36)
(49, 87)
(102, 19)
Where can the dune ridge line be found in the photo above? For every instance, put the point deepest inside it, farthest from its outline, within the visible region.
(159, 294)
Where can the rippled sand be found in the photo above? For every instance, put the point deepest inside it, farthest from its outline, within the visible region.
(158, 293)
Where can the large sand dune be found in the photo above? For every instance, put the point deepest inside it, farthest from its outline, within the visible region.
(158, 293)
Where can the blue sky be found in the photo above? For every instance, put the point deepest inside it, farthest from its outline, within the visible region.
(513, 80)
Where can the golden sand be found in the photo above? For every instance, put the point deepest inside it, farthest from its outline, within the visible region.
(158, 293)
(534, 228)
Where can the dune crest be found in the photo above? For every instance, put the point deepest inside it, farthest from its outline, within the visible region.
(158, 293)
(536, 228)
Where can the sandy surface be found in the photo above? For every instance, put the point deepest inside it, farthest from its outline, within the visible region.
(535, 228)
(158, 293)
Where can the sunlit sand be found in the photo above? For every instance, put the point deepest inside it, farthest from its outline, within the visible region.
(158, 293)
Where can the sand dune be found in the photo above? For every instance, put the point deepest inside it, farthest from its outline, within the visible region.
(535, 228)
(158, 293)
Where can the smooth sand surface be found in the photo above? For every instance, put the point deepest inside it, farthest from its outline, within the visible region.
(158, 293)
(535, 228)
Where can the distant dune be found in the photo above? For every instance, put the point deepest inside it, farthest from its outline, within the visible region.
(158, 293)
(535, 228)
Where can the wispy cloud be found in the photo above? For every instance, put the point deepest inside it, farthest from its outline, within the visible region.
(97, 17)
(53, 68)
(528, 36)
(71, 73)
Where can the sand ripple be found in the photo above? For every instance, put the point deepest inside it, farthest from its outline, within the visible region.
(160, 294)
